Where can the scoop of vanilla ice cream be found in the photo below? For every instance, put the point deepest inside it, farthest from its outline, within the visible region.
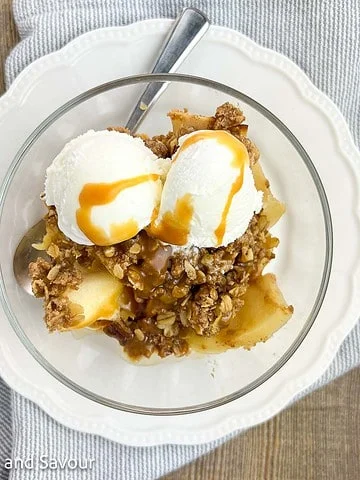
(105, 186)
(210, 183)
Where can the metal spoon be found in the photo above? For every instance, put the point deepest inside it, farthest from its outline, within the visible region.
(188, 29)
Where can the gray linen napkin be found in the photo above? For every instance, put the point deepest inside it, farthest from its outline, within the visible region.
(322, 37)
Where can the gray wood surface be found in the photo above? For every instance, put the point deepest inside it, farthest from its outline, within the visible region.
(318, 438)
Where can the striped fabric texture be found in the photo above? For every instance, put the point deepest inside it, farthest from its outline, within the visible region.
(322, 37)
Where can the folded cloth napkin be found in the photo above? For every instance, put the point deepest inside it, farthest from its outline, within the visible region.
(322, 38)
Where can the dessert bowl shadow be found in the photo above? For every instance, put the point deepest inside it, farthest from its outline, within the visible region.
(91, 364)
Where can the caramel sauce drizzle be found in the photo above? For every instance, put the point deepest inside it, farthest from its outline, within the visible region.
(95, 194)
(235, 187)
(240, 161)
(174, 226)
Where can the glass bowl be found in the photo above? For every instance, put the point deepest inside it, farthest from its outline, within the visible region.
(93, 365)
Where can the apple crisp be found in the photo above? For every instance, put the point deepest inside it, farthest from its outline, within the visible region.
(167, 296)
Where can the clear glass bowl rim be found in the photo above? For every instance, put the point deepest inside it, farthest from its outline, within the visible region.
(181, 78)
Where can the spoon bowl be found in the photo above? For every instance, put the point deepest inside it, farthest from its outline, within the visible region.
(25, 253)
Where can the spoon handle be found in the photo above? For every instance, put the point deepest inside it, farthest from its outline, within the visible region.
(188, 29)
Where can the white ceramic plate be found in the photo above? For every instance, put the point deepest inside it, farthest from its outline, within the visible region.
(107, 54)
